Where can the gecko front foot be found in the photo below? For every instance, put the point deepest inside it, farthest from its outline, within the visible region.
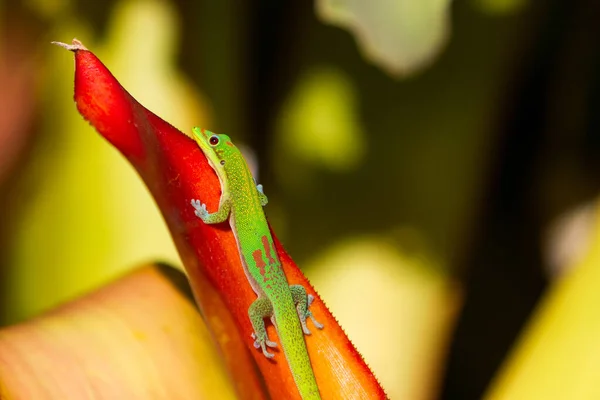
(262, 343)
(262, 196)
(200, 209)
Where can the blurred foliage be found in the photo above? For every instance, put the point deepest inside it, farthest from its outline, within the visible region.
(501, 6)
(103, 343)
(90, 195)
(319, 128)
(388, 276)
(556, 358)
(399, 35)
(412, 152)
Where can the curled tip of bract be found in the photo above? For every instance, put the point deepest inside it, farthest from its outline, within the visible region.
(74, 46)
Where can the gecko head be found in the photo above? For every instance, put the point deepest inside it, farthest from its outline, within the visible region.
(216, 148)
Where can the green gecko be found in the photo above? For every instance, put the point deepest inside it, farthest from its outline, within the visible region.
(241, 202)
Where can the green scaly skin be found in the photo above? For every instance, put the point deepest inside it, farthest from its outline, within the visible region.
(287, 306)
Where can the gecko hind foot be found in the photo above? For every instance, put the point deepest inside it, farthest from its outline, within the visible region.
(262, 344)
(316, 323)
(303, 311)
(303, 301)
(309, 314)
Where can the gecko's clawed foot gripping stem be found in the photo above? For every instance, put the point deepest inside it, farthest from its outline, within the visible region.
(200, 209)
(310, 315)
(260, 309)
(262, 343)
(264, 200)
(302, 300)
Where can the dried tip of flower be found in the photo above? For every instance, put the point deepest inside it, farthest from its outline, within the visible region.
(76, 45)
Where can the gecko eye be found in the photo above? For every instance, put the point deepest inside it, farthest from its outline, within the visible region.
(222, 162)
(214, 140)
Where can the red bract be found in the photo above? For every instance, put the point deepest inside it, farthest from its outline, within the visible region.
(176, 171)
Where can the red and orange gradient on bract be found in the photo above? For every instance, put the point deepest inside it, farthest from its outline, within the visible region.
(176, 171)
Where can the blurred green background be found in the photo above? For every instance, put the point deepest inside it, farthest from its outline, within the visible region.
(431, 165)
